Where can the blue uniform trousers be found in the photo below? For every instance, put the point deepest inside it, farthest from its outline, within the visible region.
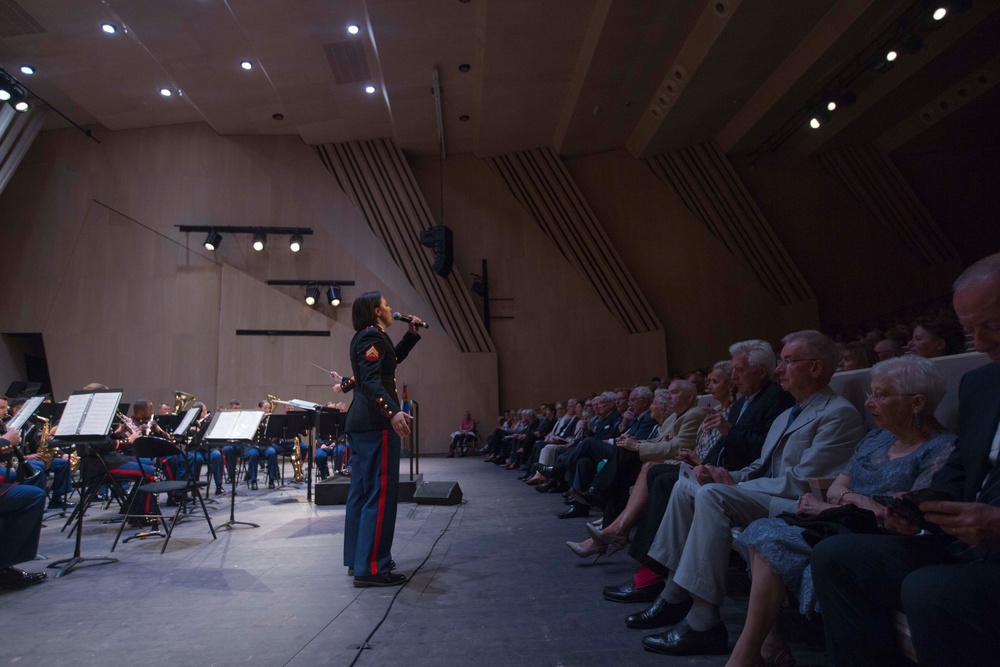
(371, 502)
(21, 509)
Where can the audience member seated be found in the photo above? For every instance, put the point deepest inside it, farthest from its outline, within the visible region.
(857, 355)
(614, 530)
(815, 438)
(902, 454)
(887, 348)
(678, 418)
(948, 585)
(936, 337)
(525, 455)
(466, 428)
(557, 443)
(505, 425)
(742, 432)
(563, 426)
(605, 427)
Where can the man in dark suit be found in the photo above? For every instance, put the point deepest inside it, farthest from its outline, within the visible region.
(947, 585)
(744, 431)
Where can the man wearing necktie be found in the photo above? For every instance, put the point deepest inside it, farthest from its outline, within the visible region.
(947, 585)
(814, 438)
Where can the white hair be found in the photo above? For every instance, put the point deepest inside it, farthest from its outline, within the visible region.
(758, 353)
(986, 270)
(913, 375)
(820, 346)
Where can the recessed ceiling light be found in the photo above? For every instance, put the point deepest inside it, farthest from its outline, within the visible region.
(892, 55)
(370, 89)
(109, 28)
(814, 123)
(27, 69)
(831, 106)
(940, 13)
(353, 28)
(247, 65)
(166, 92)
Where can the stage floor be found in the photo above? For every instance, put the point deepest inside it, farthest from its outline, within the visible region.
(498, 587)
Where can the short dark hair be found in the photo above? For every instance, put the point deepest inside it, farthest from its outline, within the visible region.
(141, 405)
(363, 310)
(946, 329)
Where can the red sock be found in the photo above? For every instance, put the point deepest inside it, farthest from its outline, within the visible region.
(646, 577)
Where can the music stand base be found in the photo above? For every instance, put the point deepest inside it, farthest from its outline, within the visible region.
(232, 523)
(72, 563)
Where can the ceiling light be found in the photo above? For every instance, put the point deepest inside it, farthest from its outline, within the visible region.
(21, 105)
(831, 106)
(891, 55)
(109, 28)
(259, 241)
(333, 295)
(353, 28)
(370, 89)
(814, 123)
(166, 92)
(817, 117)
(213, 240)
(5, 89)
(939, 13)
(295, 243)
(27, 69)
(247, 65)
(312, 294)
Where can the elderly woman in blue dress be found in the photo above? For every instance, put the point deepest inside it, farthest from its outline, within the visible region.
(901, 455)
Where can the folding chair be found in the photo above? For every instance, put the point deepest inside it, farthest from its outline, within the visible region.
(158, 448)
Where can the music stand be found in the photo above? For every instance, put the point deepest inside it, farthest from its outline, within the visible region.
(237, 428)
(329, 426)
(86, 421)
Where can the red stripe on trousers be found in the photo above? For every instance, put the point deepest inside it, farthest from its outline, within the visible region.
(383, 480)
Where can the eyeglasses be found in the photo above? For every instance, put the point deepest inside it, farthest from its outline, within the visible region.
(878, 396)
(785, 361)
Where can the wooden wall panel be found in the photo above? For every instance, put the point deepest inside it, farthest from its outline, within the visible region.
(122, 297)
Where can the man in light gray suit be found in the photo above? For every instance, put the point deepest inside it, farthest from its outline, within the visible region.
(814, 438)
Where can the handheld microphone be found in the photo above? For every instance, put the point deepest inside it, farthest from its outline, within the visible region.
(409, 318)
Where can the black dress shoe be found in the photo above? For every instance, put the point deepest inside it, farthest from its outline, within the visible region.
(545, 487)
(660, 614)
(12, 577)
(270, 484)
(551, 471)
(628, 592)
(253, 486)
(61, 505)
(682, 640)
(594, 498)
(575, 512)
(379, 580)
(219, 490)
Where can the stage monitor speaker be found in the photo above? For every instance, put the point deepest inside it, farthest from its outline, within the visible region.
(438, 493)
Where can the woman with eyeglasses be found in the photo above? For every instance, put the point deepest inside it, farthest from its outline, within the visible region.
(901, 454)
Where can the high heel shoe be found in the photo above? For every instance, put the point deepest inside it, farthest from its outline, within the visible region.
(575, 547)
(614, 542)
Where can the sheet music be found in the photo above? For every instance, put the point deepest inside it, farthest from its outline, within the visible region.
(304, 405)
(234, 425)
(185, 424)
(100, 414)
(89, 414)
(27, 410)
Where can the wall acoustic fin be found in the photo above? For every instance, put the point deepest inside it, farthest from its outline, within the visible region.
(375, 175)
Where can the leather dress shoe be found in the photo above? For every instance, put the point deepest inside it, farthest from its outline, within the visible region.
(12, 577)
(270, 484)
(575, 512)
(219, 490)
(547, 486)
(594, 498)
(628, 592)
(660, 614)
(61, 504)
(379, 580)
(682, 640)
(551, 471)
(253, 486)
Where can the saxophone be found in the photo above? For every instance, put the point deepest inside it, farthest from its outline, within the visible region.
(297, 475)
(45, 451)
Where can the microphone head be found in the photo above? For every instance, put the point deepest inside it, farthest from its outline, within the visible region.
(397, 316)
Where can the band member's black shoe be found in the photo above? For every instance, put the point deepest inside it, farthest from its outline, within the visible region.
(253, 486)
(12, 577)
(380, 580)
(270, 484)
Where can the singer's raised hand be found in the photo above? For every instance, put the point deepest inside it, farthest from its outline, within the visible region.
(415, 323)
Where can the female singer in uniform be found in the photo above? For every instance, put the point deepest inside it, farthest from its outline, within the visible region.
(375, 425)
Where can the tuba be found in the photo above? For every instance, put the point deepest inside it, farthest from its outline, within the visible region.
(181, 399)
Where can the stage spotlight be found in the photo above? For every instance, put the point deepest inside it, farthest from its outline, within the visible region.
(940, 13)
(27, 69)
(213, 240)
(5, 89)
(109, 28)
(295, 243)
(247, 65)
(333, 295)
(370, 89)
(17, 98)
(353, 28)
(312, 294)
(891, 56)
(831, 106)
(817, 117)
(259, 241)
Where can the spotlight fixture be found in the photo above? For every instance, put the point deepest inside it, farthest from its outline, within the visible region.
(353, 28)
(213, 240)
(109, 28)
(6, 88)
(831, 106)
(166, 92)
(333, 295)
(891, 56)
(259, 241)
(939, 13)
(817, 117)
(247, 65)
(370, 89)
(295, 243)
(312, 294)
(27, 69)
